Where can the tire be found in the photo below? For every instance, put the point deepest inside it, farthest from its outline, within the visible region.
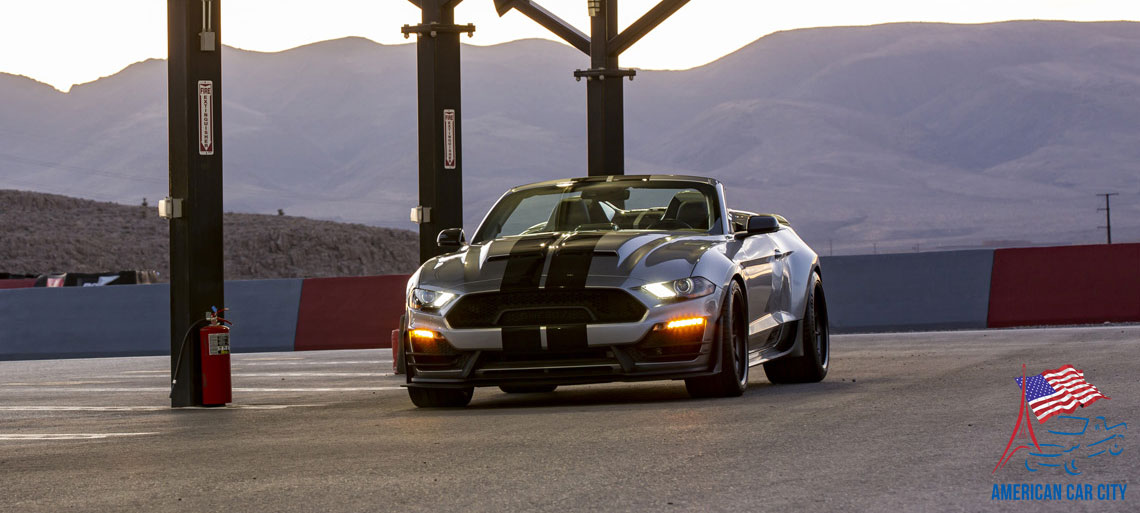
(440, 397)
(812, 366)
(401, 358)
(522, 389)
(732, 342)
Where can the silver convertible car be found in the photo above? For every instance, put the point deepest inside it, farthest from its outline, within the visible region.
(615, 278)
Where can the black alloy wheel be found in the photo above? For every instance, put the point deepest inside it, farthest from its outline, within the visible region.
(732, 342)
(812, 366)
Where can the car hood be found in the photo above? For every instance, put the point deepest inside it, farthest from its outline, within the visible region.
(568, 260)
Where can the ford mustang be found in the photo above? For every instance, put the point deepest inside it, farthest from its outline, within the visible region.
(614, 278)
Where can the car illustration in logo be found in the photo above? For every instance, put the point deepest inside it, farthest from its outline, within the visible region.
(614, 278)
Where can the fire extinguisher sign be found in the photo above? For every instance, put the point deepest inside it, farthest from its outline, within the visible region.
(449, 138)
(219, 344)
(205, 117)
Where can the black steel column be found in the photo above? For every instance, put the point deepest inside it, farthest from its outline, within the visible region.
(605, 130)
(605, 123)
(194, 87)
(440, 120)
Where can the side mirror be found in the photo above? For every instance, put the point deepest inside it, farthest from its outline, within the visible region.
(451, 238)
(762, 224)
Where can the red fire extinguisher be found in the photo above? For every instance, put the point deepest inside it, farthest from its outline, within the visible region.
(215, 343)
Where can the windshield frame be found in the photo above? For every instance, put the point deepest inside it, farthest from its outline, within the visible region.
(710, 189)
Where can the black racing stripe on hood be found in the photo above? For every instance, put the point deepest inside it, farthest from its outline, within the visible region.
(566, 338)
(641, 252)
(570, 261)
(524, 265)
(526, 339)
(473, 261)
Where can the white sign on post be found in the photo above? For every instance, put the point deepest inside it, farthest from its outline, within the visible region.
(205, 117)
(449, 138)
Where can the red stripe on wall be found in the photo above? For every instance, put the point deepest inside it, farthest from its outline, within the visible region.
(17, 283)
(1065, 285)
(349, 313)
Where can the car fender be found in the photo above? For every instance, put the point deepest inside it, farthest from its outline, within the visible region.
(716, 266)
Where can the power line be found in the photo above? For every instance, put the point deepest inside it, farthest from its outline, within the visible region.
(1107, 214)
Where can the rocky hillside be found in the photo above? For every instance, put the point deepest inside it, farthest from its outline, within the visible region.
(879, 138)
(42, 233)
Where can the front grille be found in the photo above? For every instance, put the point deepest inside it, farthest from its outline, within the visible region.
(545, 307)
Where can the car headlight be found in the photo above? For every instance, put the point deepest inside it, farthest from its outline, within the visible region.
(429, 300)
(684, 288)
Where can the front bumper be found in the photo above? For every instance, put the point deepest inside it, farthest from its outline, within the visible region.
(609, 352)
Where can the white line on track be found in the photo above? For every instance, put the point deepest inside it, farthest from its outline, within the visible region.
(66, 436)
(60, 383)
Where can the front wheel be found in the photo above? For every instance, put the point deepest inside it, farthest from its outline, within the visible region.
(440, 397)
(812, 366)
(732, 342)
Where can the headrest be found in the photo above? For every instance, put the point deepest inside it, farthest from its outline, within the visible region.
(573, 212)
(694, 213)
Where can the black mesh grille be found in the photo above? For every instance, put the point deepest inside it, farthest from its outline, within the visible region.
(545, 308)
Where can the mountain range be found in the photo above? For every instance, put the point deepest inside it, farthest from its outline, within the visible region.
(893, 137)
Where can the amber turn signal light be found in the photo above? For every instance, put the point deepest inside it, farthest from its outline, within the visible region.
(690, 322)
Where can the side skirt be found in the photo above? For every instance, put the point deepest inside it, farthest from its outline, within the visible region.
(790, 344)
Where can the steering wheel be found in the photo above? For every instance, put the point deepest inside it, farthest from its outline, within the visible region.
(534, 229)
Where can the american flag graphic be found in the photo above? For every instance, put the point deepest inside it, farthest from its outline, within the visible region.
(1058, 391)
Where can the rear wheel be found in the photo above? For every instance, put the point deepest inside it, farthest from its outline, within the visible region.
(440, 397)
(812, 366)
(732, 342)
(519, 389)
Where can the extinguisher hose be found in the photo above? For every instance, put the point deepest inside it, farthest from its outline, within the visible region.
(182, 351)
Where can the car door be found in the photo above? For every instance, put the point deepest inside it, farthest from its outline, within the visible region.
(759, 266)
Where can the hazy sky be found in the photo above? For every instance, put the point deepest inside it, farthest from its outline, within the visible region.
(64, 42)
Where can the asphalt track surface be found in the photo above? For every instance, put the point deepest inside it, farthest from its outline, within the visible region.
(904, 422)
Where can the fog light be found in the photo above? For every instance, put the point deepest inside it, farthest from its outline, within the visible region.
(428, 341)
(685, 323)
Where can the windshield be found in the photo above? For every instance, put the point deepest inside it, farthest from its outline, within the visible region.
(604, 206)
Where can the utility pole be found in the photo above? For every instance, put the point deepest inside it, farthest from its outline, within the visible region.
(440, 121)
(194, 94)
(604, 103)
(1107, 214)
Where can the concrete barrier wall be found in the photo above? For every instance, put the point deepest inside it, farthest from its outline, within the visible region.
(1065, 285)
(134, 320)
(350, 313)
(865, 293)
(77, 322)
(908, 291)
(264, 313)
